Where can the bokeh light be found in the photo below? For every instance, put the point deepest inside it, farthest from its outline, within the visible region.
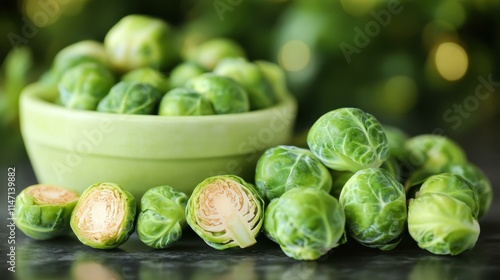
(451, 61)
(294, 55)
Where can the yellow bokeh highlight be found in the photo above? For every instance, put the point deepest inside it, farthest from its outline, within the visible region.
(294, 55)
(451, 61)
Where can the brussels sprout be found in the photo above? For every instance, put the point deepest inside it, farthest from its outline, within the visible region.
(83, 86)
(305, 222)
(225, 211)
(185, 102)
(137, 41)
(260, 93)
(452, 185)
(282, 168)
(185, 72)
(162, 216)
(374, 203)
(130, 98)
(148, 75)
(397, 139)
(226, 95)
(432, 152)
(393, 166)
(442, 224)
(104, 216)
(348, 139)
(209, 53)
(476, 177)
(276, 77)
(43, 211)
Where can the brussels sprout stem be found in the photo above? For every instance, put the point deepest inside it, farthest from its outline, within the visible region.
(235, 225)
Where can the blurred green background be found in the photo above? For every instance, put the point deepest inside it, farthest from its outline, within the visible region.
(424, 66)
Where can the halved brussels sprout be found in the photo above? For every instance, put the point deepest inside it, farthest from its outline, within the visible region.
(210, 52)
(283, 168)
(432, 152)
(185, 72)
(130, 98)
(162, 216)
(84, 86)
(137, 41)
(305, 222)
(44, 211)
(260, 93)
(148, 75)
(348, 139)
(442, 224)
(185, 102)
(104, 216)
(476, 177)
(225, 211)
(452, 185)
(226, 95)
(374, 203)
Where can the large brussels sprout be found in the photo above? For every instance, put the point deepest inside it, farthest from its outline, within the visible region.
(148, 75)
(44, 211)
(431, 153)
(452, 185)
(476, 177)
(282, 168)
(276, 77)
(130, 98)
(162, 216)
(260, 92)
(185, 72)
(374, 203)
(225, 211)
(442, 224)
(185, 102)
(305, 222)
(226, 95)
(137, 41)
(348, 139)
(104, 216)
(84, 86)
(210, 52)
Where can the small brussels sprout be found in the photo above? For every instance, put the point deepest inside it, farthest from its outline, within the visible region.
(452, 185)
(432, 152)
(130, 98)
(104, 216)
(148, 75)
(348, 139)
(305, 222)
(226, 95)
(476, 177)
(397, 139)
(162, 216)
(225, 211)
(43, 211)
(276, 77)
(282, 168)
(83, 86)
(185, 72)
(137, 41)
(260, 93)
(393, 166)
(442, 224)
(210, 52)
(374, 203)
(185, 102)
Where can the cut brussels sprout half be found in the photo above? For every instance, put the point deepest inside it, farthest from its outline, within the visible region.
(44, 211)
(185, 102)
(148, 75)
(225, 211)
(442, 224)
(348, 139)
(374, 203)
(305, 222)
(282, 168)
(104, 216)
(162, 216)
(131, 98)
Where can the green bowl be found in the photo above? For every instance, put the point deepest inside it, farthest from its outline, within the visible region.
(76, 149)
